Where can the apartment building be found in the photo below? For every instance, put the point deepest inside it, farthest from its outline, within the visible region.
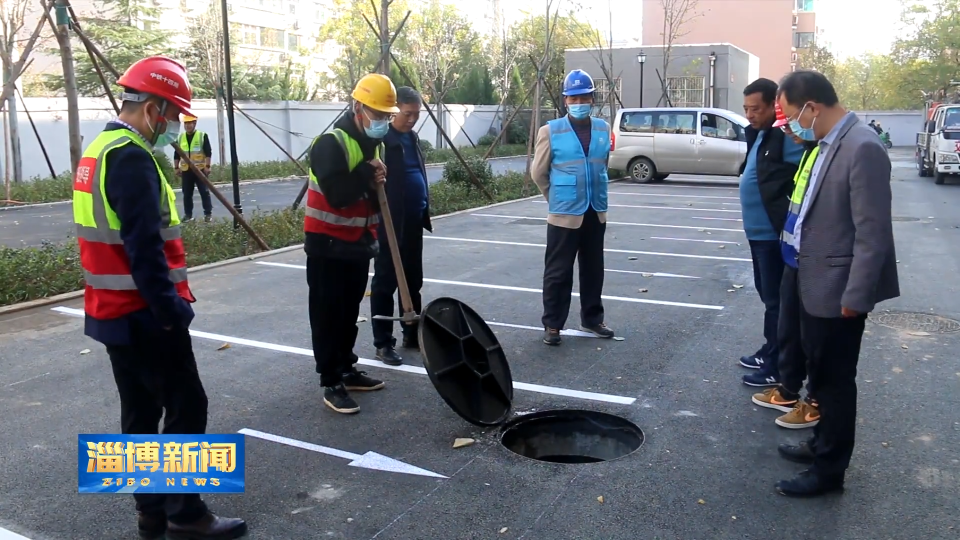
(776, 31)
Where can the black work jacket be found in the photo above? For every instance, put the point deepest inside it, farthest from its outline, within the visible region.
(774, 175)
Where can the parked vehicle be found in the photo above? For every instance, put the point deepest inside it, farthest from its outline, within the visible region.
(650, 144)
(938, 146)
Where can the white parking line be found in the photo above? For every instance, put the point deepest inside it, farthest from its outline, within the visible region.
(525, 289)
(717, 218)
(650, 274)
(10, 535)
(552, 390)
(664, 208)
(501, 216)
(676, 186)
(671, 195)
(695, 240)
(608, 250)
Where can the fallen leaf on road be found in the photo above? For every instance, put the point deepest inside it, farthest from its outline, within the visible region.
(733, 517)
(85, 351)
(224, 346)
(617, 338)
(700, 230)
(721, 247)
(600, 499)
(631, 258)
(885, 444)
(701, 501)
(503, 530)
(367, 293)
(361, 319)
(731, 290)
(735, 286)
(897, 370)
(919, 333)
(904, 346)
(646, 275)
(349, 520)
(461, 442)
(643, 290)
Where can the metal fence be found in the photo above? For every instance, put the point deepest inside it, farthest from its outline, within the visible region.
(686, 91)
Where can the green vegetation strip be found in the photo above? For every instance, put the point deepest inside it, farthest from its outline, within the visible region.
(46, 190)
(32, 273)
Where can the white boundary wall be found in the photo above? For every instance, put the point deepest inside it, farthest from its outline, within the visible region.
(294, 125)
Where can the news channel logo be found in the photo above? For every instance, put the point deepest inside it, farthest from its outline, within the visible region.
(112, 463)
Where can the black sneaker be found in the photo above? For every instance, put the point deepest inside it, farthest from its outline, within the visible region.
(754, 361)
(358, 380)
(600, 330)
(389, 356)
(551, 336)
(208, 218)
(411, 342)
(337, 398)
(151, 526)
(186, 219)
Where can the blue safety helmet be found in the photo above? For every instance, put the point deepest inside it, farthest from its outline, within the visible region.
(577, 82)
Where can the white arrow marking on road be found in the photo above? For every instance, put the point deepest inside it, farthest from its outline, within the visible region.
(370, 460)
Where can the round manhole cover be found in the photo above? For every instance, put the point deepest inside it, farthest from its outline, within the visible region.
(904, 218)
(916, 322)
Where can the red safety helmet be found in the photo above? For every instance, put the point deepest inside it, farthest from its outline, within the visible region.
(781, 118)
(161, 77)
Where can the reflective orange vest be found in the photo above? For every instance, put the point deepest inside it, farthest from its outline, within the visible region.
(110, 291)
(347, 223)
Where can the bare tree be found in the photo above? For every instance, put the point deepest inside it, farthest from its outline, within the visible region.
(204, 57)
(676, 16)
(602, 51)
(13, 13)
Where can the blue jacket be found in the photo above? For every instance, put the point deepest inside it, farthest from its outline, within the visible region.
(396, 180)
(578, 181)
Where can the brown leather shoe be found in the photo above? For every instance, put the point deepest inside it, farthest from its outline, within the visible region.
(209, 527)
(151, 526)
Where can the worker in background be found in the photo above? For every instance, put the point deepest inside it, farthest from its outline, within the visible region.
(791, 368)
(195, 144)
(136, 297)
(341, 234)
(409, 199)
(570, 168)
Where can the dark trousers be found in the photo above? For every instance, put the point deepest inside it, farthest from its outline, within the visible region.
(157, 374)
(767, 275)
(833, 349)
(792, 363)
(188, 182)
(336, 290)
(563, 246)
(384, 284)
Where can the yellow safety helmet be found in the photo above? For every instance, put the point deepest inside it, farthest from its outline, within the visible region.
(188, 118)
(377, 92)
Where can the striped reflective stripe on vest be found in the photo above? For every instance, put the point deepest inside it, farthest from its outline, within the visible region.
(353, 159)
(799, 192)
(104, 234)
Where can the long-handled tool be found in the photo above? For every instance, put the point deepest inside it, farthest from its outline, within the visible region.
(409, 315)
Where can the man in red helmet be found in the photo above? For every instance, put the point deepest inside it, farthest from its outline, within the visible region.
(137, 298)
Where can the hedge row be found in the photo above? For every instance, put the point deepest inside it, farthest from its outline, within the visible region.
(39, 272)
(42, 190)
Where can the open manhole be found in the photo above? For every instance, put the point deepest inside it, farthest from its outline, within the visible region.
(916, 322)
(904, 218)
(566, 436)
(469, 369)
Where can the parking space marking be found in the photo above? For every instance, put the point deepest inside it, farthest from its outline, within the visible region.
(671, 195)
(650, 274)
(369, 460)
(502, 216)
(664, 208)
(526, 289)
(696, 240)
(676, 186)
(717, 218)
(608, 250)
(689, 209)
(10, 535)
(538, 388)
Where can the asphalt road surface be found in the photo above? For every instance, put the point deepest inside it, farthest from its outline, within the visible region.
(32, 225)
(678, 290)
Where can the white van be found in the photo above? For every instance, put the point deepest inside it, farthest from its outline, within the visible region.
(651, 144)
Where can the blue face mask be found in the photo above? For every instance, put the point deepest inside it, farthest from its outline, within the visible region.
(579, 110)
(805, 134)
(378, 128)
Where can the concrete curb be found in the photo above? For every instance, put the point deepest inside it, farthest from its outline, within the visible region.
(219, 185)
(40, 302)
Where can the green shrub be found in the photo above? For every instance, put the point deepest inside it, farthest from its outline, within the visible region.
(486, 140)
(455, 173)
(39, 272)
(425, 146)
(518, 132)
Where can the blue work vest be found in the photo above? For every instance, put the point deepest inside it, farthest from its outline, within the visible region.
(578, 181)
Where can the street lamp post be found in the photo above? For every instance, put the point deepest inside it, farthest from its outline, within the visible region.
(641, 59)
